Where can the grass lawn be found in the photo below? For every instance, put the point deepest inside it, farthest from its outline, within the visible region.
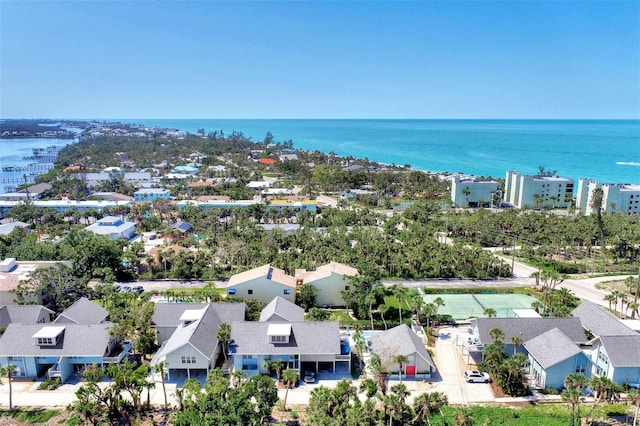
(392, 302)
(35, 416)
(547, 415)
(342, 316)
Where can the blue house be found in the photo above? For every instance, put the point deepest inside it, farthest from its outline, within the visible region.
(552, 356)
(151, 194)
(618, 358)
(79, 337)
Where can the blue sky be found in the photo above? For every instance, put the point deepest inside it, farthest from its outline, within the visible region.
(159, 59)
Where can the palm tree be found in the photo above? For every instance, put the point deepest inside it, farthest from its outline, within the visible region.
(438, 301)
(428, 402)
(8, 371)
(274, 366)
(633, 307)
(490, 312)
(610, 298)
(466, 191)
(429, 311)
(496, 334)
(463, 418)
(361, 346)
(606, 390)
(633, 398)
(401, 360)
(400, 390)
(223, 336)
(400, 293)
(161, 368)
(289, 377)
(573, 383)
(393, 407)
(517, 341)
(417, 303)
(383, 309)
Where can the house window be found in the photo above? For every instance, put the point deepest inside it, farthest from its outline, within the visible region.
(250, 291)
(231, 291)
(188, 359)
(286, 291)
(580, 369)
(346, 287)
(45, 341)
(16, 358)
(279, 339)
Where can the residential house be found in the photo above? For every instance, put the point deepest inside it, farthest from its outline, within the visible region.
(58, 350)
(182, 227)
(615, 349)
(330, 280)
(281, 310)
(301, 346)
(552, 356)
(9, 227)
(25, 314)
(262, 283)
(402, 340)
(111, 196)
(259, 184)
(83, 311)
(286, 228)
(297, 206)
(192, 345)
(598, 321)
(617, 357)
(113, 227)
(151, 194)
(524, 329)
(12, 273)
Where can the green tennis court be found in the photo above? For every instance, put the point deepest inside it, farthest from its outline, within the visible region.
(463, 306)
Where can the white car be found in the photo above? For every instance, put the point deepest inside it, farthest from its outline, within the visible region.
(475, 376)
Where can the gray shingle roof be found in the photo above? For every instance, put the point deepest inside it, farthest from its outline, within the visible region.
(201, 334)
(528, 328)
(400, 340)
(599, 321)
(307, 338)
(551, 348)
(83, 311)
(21, 314)
(168, 314)
(77, 340)
(283, 311)
(623, 351)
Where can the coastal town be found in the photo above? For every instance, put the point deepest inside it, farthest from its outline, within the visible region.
(149, 271)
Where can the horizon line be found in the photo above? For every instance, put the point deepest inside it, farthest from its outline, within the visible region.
(324, 118)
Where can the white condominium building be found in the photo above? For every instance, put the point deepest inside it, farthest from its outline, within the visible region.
(470, 192)
(537, 191)
(616, 197)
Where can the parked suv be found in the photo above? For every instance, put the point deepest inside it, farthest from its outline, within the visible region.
(475, 376)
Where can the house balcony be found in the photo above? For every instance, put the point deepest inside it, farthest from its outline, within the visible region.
(118, 353)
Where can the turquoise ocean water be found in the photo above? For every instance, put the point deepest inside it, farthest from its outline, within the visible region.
(605, 150)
